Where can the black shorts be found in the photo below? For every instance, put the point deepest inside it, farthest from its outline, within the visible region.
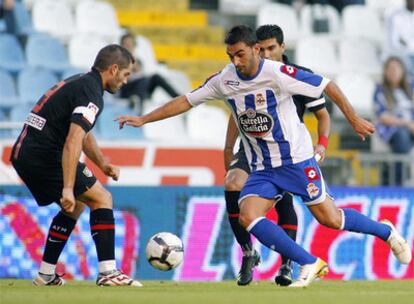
(239, 160)
(45, 181)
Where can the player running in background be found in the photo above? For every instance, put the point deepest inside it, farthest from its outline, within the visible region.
(272, 46)
(278, 147)
(46, 157)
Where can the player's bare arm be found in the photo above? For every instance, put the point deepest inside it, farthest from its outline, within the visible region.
(361, 126)
(94, 153)
(176, 106)
(71, 153)
(324, 129)
(231, 137)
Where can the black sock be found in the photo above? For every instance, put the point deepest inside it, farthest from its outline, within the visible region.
(233, 211)
(103, 233)
(287, 219)
(59, 232)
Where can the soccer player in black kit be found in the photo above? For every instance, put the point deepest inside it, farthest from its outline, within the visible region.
(46, 157)
(272, 46)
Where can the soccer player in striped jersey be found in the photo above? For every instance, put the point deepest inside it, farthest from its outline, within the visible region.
(279, 148)
(272, 46)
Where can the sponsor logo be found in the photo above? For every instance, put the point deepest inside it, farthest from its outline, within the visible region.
(260, 99)
(289, 70)
(231, 82)
(54, 241)
(35, 121)
(93, 107)
(256, 124)
(87, 172)
(312, 190)
(312, 174)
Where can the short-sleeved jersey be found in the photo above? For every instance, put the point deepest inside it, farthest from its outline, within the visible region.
(78, 99)
(263, 108)
(305, 102)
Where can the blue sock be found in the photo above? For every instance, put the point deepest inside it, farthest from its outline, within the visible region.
(357, 222)
(275, 238)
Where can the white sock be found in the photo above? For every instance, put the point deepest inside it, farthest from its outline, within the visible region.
(46, 268)
(106, 266)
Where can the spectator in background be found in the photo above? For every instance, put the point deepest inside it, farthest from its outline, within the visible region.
(141, 86)
(394, 105)
(7, 13)
(400, 34)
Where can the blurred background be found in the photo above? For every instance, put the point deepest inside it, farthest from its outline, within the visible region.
(172, 171)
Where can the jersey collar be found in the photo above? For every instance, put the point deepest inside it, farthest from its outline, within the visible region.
(254, 76)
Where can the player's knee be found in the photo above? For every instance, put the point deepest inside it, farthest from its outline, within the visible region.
(246, 218)
(334, 222)
(232, 183)
(105, 200)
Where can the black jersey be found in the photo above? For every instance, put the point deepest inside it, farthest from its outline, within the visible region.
(78, 99)
(304, 102)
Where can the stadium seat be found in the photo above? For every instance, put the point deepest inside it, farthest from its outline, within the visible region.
(241, 7)
(46, 52)
(72, 71)
(53, 17)
(4, 131)
(83, 50)
(359, 56)
(320, 20)
(107, 128)
(158, 130)
(207, 124)
(23, 19)
(32, 83)
(318, 54)
(11, 54)
(98, 18)
(284, 16)
(360, 21)
(359, 89)
(382, 5)
(8, 95)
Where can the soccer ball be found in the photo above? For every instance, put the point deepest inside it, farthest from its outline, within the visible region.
(165, 251)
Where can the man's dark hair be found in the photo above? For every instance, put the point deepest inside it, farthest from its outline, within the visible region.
(241, 33)
(270, 31)
(113, 54)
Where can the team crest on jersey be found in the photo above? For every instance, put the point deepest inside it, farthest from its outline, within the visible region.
(289, 70)
(311, 174)
(312, 190)
(260, 99)
(256, 124)
(87, 172)
(93, 107)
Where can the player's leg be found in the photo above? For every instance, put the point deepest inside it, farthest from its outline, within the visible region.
(288, 220)
(235, 179)
(350, 219)
(102, 224)
(59, 231)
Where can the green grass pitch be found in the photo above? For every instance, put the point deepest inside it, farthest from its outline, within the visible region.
(335, 292)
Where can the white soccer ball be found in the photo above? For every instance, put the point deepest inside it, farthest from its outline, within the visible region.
(165, 251)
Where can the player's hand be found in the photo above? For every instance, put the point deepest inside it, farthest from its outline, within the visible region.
(111, 171)
(130, 120)
(67, 200)
(321, 151)
(362, 127)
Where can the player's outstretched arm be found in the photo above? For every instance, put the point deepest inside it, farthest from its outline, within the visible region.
(176, 106)
(94, 153)
(361, 126)
(231, 137)
(324, 129)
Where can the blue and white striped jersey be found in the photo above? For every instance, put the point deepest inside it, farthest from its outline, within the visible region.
(262, 105)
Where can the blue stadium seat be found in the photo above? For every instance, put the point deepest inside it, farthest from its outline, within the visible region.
(11, 54)
(71, 71)
(18, 114)
(107, 128)
(32, 83)
(4, 133)
(23, 19)
(8, 95)
(47, 52)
